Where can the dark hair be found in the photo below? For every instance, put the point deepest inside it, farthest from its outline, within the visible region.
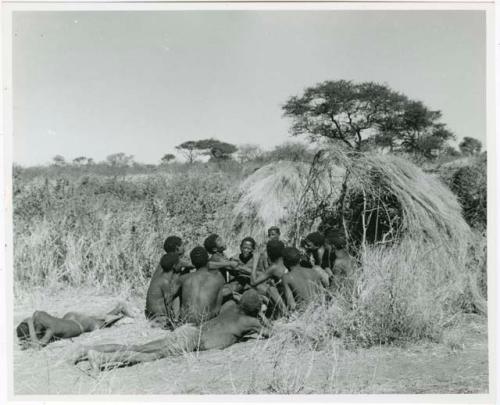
(291, 256)
(210, 243)
(274, 249)
(317, 238)
(168, 261)
(275, 229)
(172, 243)
(199, 257)
(23, 331)
(249, 239)
(250, 302)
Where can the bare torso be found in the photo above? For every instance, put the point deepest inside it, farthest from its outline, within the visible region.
(228, 328)
(201, 295)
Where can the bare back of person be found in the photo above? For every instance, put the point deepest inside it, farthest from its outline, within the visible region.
(201, 295)
(228, 328)
(161, 292)
(303, 283)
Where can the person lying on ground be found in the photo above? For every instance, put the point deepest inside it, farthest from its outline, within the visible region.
(229, 327)
(321, 254)
(163, 291)
(201, 292)
(41, 328)
(300, 284)
(269, 281)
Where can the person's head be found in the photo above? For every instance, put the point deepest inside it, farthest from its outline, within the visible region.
(338, 241)
(314, 241)
(274, 249)
(273, 233)
(247, 246)
(23, 334)
(173, 244)
(291, 257)
(199, 257)
(251, 303)
(169, 261)
(214, 243)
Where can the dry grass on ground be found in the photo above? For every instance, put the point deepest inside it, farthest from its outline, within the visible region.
(459, 364)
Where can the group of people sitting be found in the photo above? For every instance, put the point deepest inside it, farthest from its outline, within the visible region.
(209, 302)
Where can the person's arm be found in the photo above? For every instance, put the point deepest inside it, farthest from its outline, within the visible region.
(222, 264)
(33, 337)
(256, 280)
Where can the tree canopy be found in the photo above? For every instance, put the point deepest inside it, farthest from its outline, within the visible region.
(119, 159)
(470, 146)
(366, 115)
(217, 150)
(167, 158)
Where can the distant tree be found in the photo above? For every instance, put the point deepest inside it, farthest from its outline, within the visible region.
(59, 160)
(188, 150)
(81, 160)
(291, 151)
(90, 161)
(451, 152)
(470, 146)
(119, 159)
(167, 158)
(365, 115)
(217, 150)
(249, 152)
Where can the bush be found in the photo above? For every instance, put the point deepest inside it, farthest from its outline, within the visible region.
(469, 182)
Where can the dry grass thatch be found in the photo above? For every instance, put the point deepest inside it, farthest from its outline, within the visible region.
(275, 195)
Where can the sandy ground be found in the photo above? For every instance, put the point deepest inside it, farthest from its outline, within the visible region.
(457, 366)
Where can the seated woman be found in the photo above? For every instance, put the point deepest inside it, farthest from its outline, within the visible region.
(232, 324)
(41, 328)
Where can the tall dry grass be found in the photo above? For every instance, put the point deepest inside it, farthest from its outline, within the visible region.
(109, 231)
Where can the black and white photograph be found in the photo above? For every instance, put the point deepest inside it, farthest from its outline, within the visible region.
(247, 200)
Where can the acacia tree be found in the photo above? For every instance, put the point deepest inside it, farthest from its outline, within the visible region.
(364, 115)
(470, 146)
(120, 159)
(217, 150)
(189, 150)
(342, 110)
(167, 158)
(59, 160)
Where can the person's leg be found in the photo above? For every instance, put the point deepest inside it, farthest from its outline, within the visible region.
(99, 360)
(121, 309)
(183, 339)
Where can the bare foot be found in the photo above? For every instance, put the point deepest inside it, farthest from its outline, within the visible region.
(79, 355)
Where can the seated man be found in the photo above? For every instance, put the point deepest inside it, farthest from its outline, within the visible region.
(229, 269)
(248, 260)
(267, 281)
(343, 266)
(230, 326)
(322, 254)
(162, 292)
(202, 291)
(300, 284)
(273, 233)
(174, 244)
(41, 328)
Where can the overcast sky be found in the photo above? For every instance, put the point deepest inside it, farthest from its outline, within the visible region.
(96, 83)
